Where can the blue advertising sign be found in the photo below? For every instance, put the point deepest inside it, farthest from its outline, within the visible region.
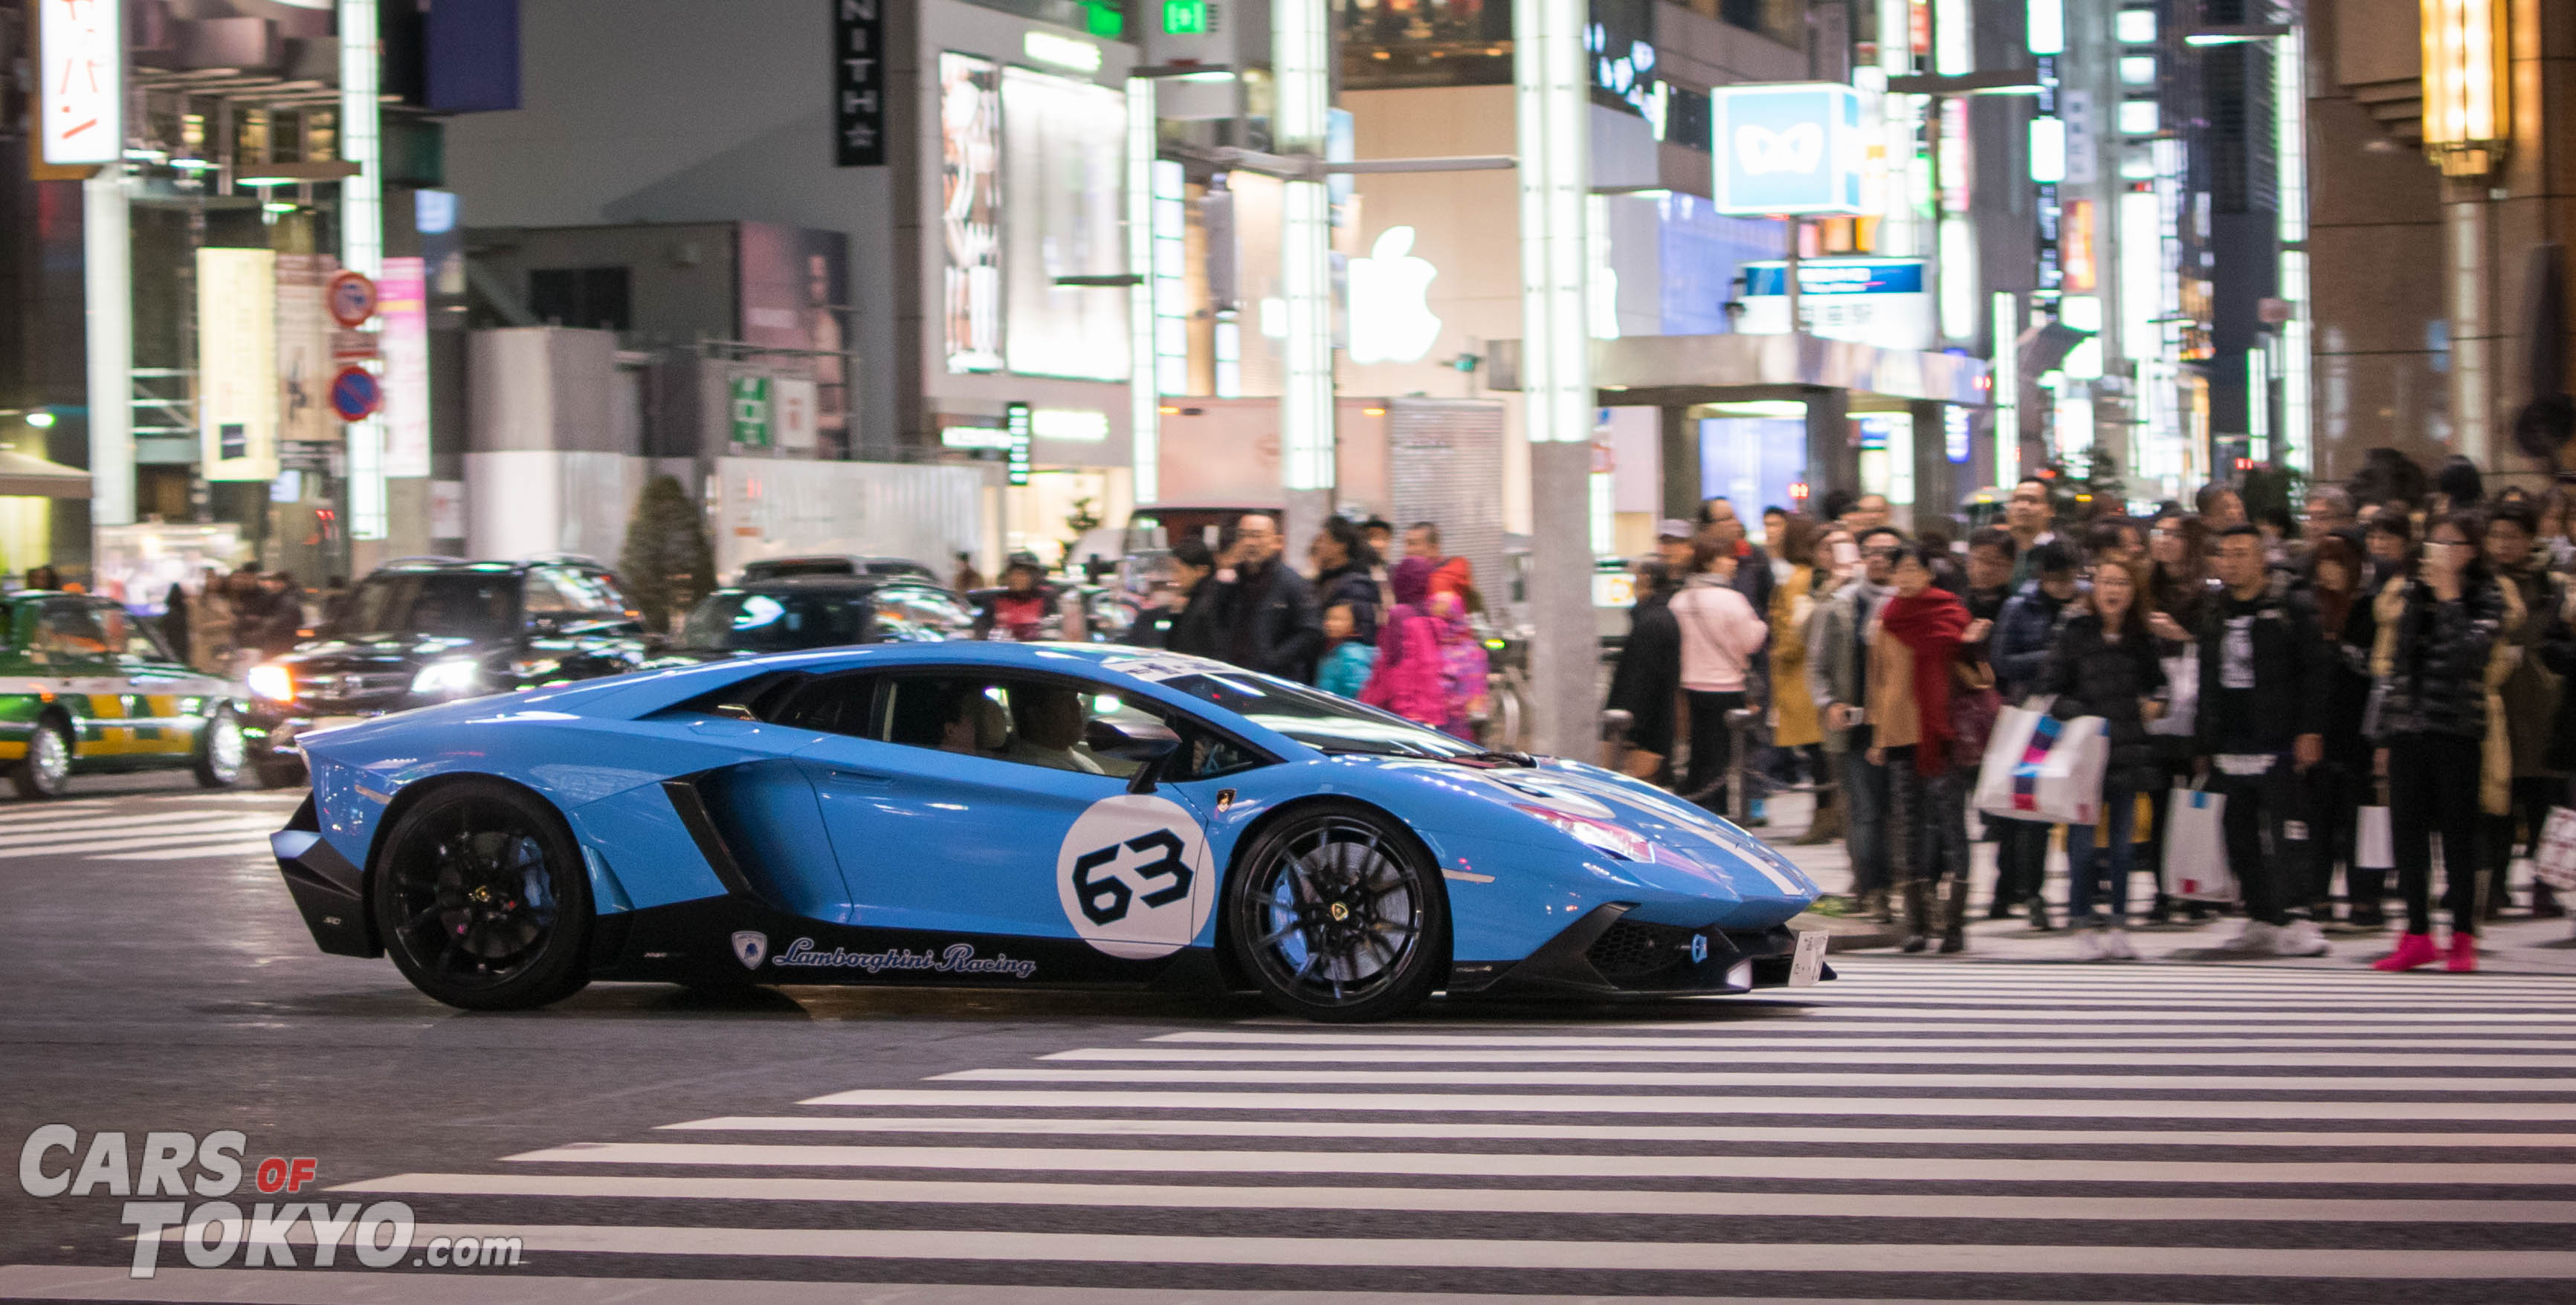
(1787, 148)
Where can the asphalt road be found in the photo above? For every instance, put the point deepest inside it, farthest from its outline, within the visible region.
(1923, 1129)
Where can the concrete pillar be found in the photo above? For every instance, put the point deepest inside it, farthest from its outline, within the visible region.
(1565, 651)
(1833, 461)
(1681, 449)
(1936, 485)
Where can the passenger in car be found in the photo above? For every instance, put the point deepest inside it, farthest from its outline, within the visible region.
(1046, 722)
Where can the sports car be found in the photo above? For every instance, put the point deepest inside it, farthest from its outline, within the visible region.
(1009, 814)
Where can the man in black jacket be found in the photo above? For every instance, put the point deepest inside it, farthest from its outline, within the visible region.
(1266, 618)
(2263, 695)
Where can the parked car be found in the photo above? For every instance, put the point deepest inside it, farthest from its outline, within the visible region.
(426, 630)
(86, 686)
(779, 568)
(816, 611)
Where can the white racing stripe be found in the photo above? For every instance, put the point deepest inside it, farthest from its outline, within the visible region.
(2555, 1112)
(260, 848)
(1700, 1078)
(1471, 1200)
(1353, 1128)
(1531, 1165)
(2007, 1054)
(1915, 1258)
(1944, 1037)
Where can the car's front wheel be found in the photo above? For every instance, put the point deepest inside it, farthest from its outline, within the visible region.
(1338, 915)
(481, 897)
(46, 770)
(222, 752)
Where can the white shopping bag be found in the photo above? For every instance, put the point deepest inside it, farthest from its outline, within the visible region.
(2182, 695)
(2553, 854)
(2373, 848)
(2195, 866)
(2043, 768)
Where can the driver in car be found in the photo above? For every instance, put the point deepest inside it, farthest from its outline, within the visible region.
(1046, 722)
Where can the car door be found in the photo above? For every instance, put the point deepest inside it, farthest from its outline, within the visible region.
(968, 800)
(70, 650)
(164, 702)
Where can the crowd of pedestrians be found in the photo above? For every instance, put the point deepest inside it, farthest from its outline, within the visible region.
(2395, 649)
(1395, 633)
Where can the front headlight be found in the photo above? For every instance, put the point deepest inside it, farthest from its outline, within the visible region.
(457, 676)
(273, 682)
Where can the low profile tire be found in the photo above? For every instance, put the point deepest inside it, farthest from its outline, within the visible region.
(223, 754)
(1338, 915)
(46, 771)
(481, 897)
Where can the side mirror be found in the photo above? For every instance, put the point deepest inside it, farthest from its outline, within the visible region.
(1147, 743)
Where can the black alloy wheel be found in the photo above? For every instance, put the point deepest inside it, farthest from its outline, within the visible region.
(1338, 915)
(481, 897)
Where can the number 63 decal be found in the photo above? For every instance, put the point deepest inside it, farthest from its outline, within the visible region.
(1105, 897)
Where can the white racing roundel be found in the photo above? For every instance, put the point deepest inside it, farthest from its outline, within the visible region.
(1134, 877)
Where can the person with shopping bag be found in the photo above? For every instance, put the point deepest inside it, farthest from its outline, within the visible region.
(2261, 726)
(2106, 662)
(1839, 635)
(2179, 589)
(2528, 697)
(1720, 635)
(2340, 788)
(2019, 654)
(1912, 665)
(2437, 624)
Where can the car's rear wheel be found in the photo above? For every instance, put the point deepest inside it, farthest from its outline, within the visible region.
(222, 753)
(481, 897)
(1338, 915)
(46, 770)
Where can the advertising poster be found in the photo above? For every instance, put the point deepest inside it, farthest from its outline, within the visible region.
(237, 388)
(304, 350)
(795, 285)
(402, 304)
(970, 211)
(1065, 171)
(1876, 301)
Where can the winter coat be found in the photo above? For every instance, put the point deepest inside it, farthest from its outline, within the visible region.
(2429, 659)
(1836, 672)
(2529, 695)
(2287, 660)
(1267, 621)
(2021, 640)
(1649, 673)
(1795, 724)
(1409, 677)
(2348, 688)
(1352, 585)
(2092, 676)
(1345, 668)
(1720, 635)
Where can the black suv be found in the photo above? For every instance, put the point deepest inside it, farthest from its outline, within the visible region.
(428, 630)
(817, 611)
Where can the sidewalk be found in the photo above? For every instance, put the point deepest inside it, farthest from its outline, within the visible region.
(2513, 945)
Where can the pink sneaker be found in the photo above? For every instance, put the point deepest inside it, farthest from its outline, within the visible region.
(2412, 950)
(2464, 953)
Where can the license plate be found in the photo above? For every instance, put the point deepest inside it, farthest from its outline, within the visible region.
(1808, 965)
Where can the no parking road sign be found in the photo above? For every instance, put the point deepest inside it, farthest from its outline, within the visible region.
(356, 394)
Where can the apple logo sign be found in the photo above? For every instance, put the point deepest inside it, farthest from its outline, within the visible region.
(1389, 318)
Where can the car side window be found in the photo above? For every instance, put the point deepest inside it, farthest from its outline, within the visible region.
(127, 639)
(838, 704)
(1032, 722)
(65, 628)
(547, 594)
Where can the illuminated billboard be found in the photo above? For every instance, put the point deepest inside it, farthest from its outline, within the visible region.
(1884, 302)
(1064, 159)
(970, 211)
(237, 389)
(1787, 148)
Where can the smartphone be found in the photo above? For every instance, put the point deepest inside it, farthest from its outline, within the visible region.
(1845, 553)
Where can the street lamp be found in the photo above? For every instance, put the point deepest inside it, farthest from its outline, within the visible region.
(2467, 109)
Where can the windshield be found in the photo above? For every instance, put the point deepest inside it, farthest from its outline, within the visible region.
(442, 604)
(739, 622)
(1318, 719)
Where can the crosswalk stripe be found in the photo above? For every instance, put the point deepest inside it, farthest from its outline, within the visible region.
(2411, 1014)
(1999, 1055)
(258, 848)
(1709, 1078)
(1530, 1165)
(2539, 1041)
(2417, 1000)
(1940, 1205)
(1352, 1128)
(92, 828)
(193, 836)
(1547, 1103)
(1495, 1253)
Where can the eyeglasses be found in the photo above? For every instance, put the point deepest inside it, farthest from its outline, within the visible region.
(1881, 551)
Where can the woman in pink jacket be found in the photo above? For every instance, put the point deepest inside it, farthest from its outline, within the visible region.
(1720, 635)
(1409, 677)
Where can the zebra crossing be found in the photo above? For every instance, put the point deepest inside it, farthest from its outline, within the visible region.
(2176, 1134)
(146, 826)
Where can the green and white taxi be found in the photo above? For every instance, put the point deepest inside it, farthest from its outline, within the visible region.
(86, 687)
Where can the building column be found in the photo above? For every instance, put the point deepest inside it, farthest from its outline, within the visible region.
(1936, 489)
(1681, 457)
(1833, 461)
(108, 281)
(1552, 96)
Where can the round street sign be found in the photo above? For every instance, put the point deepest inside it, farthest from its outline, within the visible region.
(353, 298)
(356, 394)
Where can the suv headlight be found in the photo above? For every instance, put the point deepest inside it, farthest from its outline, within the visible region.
(457, 676)
(273, 682)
